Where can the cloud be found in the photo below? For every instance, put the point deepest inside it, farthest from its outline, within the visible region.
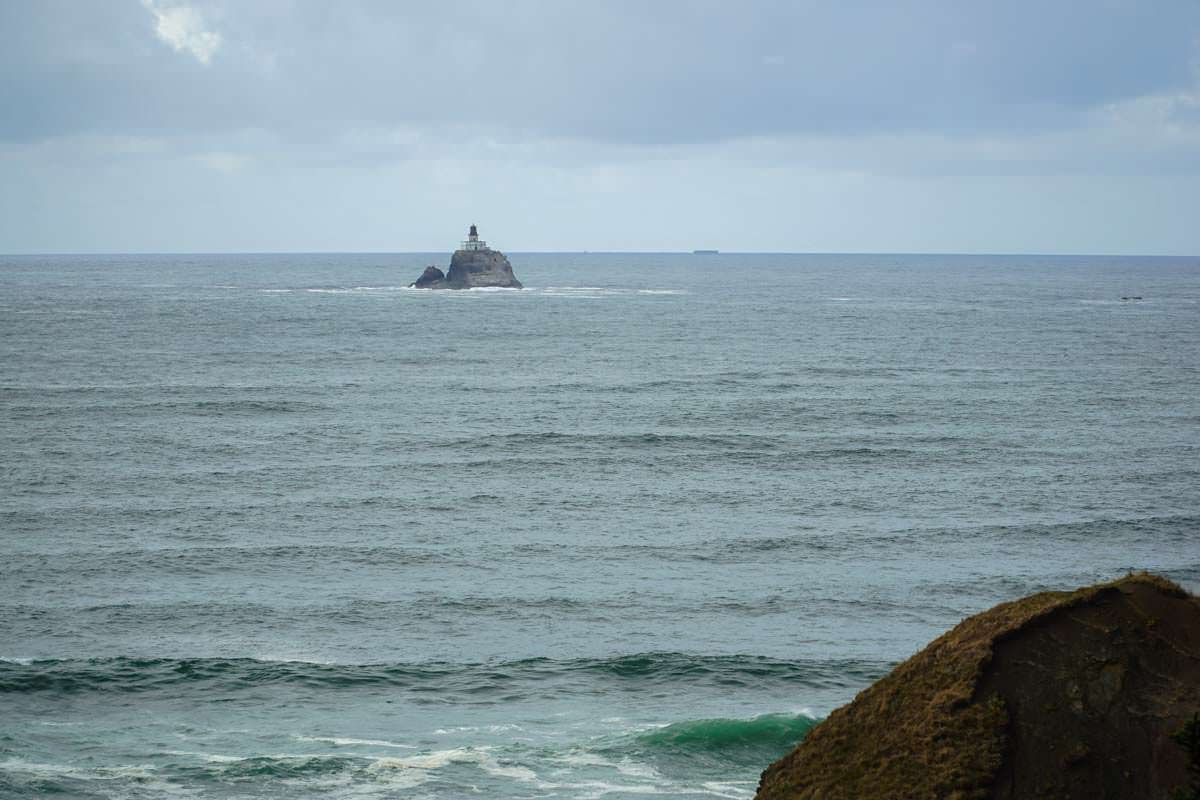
(718, 116)
(626, 73)
(183, 28)
(223, 162)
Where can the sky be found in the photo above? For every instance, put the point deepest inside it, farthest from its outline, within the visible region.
(389, 126)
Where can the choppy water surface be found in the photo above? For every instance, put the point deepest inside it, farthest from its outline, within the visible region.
(275, 526)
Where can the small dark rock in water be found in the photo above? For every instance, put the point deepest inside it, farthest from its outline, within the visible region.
(430, 276)
(1069, 695)
(473, 265)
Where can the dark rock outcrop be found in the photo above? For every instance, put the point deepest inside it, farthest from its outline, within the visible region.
(1060, 694)
(474, 265)
(429, 278)
(472, 268)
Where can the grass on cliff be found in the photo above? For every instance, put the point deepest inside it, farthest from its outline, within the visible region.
(921, 731)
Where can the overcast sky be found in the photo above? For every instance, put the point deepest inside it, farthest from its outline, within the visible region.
(302, 125)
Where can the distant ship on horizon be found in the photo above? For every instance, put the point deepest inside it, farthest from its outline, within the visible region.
(705, 252)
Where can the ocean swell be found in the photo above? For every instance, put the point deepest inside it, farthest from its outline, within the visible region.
(443, 682)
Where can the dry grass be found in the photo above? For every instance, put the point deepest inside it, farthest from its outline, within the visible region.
(923, 731)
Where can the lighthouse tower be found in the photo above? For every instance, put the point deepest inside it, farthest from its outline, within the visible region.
(473, 242)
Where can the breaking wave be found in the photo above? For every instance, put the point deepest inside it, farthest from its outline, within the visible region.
(756, 741)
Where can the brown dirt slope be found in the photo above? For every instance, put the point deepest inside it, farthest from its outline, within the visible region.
(1057, 695)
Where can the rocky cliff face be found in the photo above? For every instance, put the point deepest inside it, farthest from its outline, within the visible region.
(1063, 695)
(470, 269)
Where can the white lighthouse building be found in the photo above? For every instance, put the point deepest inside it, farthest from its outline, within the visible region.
(473, 242)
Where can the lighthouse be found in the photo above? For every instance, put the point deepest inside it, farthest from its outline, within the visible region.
(474, 265)
(473, 242)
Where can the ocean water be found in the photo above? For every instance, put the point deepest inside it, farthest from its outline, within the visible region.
(276, 526)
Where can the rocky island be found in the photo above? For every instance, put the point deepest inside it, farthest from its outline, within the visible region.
(1085, 694)
(473, 265)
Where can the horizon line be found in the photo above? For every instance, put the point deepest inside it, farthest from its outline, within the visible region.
(712, 252)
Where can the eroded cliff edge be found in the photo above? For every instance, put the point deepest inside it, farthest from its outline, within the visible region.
(1060, 694)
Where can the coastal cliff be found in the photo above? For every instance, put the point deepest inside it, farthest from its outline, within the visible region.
(1059, 694)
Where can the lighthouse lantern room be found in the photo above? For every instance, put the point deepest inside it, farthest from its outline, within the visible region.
(473, 242)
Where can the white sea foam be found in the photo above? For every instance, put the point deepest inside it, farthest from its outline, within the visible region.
(392, 779)
(345, 742)
(597, 292)
(575, 292)
(596, 789)
(216, 758)
(347, 786)
(731, 789)
(515, 772)
(508, 726)
(584, 758)
(20, 765)
(17, 660)
(271, 658)
(417, 767)
(212, 758)
(626, 767)
(21, 771)
(136, 771)
(358, 289)
(636, 770)
(430, 761)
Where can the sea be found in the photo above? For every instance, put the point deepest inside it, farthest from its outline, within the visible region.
(277, 526)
